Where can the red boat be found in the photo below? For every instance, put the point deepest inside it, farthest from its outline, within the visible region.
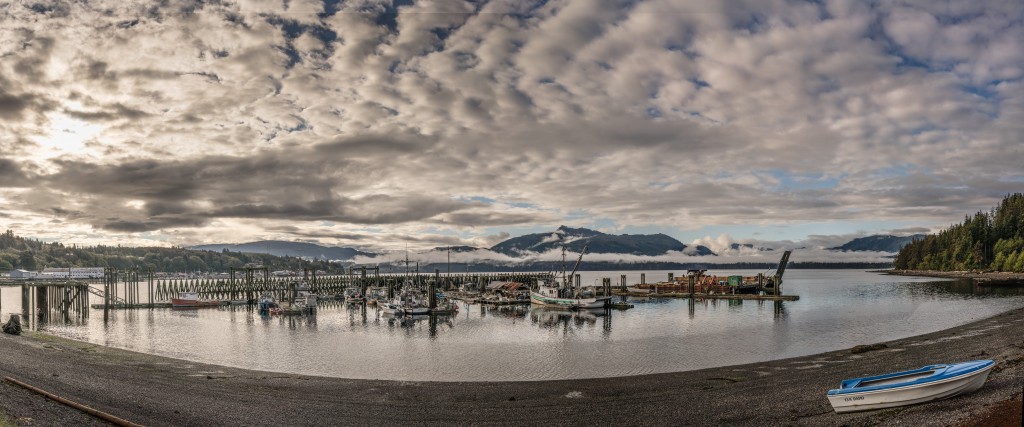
(191, 300)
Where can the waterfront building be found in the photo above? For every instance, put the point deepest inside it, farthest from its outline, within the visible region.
(74, 272)
(23, 274)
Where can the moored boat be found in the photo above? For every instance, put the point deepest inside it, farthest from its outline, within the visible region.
(353, 296)
(920, 385)
(192, 300)
(551, 296)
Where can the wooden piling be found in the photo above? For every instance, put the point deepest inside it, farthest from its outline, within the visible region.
(24, 302)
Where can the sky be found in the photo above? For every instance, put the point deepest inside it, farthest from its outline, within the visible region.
(382, 124)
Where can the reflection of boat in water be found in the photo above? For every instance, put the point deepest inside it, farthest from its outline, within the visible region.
(550, 316)
(192, 300)
(514, 311)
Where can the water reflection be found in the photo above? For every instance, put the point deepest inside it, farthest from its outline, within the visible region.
(505, 311)
(412, 324)
(568, 320)
(837, 309)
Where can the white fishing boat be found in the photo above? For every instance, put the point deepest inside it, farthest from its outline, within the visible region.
(565, 296)
(390, 308)
(548, 295)
(925, 384)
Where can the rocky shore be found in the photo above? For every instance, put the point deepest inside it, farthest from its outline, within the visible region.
(160, 391)
(989, 277)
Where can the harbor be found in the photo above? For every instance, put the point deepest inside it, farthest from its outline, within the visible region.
(786, 391)
(483, 342)
(397, 294)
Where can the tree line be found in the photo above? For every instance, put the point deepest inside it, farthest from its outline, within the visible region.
(28, 254)
(991, 240)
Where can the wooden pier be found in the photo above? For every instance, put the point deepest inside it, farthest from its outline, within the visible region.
(43, 300)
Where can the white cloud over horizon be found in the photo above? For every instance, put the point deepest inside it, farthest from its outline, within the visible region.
(379, 124)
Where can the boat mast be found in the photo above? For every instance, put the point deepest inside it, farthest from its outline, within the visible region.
(564, 283)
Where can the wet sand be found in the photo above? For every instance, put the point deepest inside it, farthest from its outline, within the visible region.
(160, 391)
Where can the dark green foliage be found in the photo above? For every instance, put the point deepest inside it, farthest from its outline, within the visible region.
(18, 252)
(282, 248)
(878, 243)
(985, 241)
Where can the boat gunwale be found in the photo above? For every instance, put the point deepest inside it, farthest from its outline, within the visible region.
(981, 368)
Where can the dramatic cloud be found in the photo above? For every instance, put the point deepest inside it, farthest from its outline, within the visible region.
(381, 124)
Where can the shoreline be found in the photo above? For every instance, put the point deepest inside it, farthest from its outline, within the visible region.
(987, 277)
(157, 390)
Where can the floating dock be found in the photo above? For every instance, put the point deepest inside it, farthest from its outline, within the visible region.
(132, 306)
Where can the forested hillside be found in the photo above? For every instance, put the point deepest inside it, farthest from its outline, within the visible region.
(986, 241)
(28, 254)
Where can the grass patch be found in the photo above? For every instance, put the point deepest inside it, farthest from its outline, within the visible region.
(5, 421)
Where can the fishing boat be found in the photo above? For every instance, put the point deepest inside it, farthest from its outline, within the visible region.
(552, 296)
(352, 296)
(192, 300)
(390, 308)
(920, 385)
(566, 296)
(375, 294)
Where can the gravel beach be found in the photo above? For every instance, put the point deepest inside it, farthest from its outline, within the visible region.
(160, 391)
(986, 277)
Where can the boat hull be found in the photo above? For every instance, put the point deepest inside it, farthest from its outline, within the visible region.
(539, 299)
(909, 394)
(416, 310)
(190, 303)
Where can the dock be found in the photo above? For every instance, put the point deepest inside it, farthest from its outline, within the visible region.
(118, 306)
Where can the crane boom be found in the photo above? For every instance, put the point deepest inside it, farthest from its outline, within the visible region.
(577, 266)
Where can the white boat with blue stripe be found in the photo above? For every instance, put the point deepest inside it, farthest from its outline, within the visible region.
(921, 385)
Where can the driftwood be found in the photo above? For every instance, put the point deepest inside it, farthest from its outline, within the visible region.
(13, 326)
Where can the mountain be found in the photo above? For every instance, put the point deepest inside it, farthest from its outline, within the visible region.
(455, 249)
(597, 242)
(878, 243)
(29, 254)
(282, 248)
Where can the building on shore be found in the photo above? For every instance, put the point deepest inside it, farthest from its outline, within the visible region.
(73, 272)
(23, 274)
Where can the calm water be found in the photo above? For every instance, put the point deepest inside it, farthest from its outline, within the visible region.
(837, 309)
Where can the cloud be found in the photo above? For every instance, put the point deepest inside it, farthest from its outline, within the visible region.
(388, 120)
(12, 175)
